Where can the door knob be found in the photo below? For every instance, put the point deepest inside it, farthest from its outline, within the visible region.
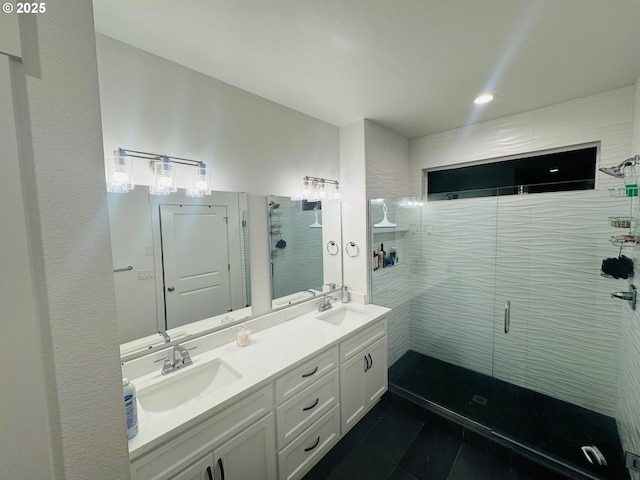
(171, 289)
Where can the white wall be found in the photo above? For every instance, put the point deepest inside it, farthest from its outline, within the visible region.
(25, 453)
(387, 170)
(628, 408)
(253, 145)
(58, 123)
(354, 207)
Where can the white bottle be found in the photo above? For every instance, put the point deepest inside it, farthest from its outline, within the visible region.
(131, 408)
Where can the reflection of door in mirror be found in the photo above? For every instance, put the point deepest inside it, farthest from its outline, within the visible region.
(216, 244)
(195, 258)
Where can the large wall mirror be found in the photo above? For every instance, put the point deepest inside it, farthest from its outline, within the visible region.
(181, 264)
(305, 248)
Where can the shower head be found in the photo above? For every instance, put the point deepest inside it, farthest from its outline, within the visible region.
(616, 171)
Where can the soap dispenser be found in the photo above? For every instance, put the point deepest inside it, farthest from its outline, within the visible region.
(346, 296)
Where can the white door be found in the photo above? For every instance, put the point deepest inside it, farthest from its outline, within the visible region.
(250, 455)
(352, 390)
(195, 258)
(375, 381)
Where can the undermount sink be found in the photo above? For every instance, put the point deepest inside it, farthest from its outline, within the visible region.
(180, 387)
(343, 314)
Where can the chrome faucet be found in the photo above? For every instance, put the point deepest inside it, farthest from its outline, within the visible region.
(178, 358)
(325, 304)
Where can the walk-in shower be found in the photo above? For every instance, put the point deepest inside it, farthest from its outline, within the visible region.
(502, 318)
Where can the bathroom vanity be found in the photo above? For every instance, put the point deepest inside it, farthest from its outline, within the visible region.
(269, 410)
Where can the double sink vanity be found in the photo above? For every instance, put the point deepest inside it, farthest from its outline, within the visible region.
(269, 410)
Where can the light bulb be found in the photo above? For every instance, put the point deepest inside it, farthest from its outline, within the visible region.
(336, 192)
(120, 177)
(484, 98)
(202, 185)
(306, 189)
(323, 191)
(166, 181)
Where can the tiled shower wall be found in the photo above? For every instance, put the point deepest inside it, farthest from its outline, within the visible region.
(628, 413)
(295, 266)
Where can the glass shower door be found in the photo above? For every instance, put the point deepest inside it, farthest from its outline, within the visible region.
(562, 323)
(454, 311)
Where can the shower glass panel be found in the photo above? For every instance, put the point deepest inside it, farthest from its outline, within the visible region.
(509, 286)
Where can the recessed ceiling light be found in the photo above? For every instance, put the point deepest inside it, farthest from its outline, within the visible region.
(484, 98)
(554, 170)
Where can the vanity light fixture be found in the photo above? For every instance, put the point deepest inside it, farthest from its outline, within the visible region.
(201, 183)
(484, 98)
(164, 178)
(120, 173)
(315, 188)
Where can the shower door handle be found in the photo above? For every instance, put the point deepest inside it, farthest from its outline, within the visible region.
(507, 316)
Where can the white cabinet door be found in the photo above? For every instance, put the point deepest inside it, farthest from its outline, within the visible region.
(352, 391)
(363, 380)
(200, 470)
(375, 377)
(250, 455)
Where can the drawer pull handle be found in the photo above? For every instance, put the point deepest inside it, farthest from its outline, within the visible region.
(314, 445)
(221, 468)
(305, 375)
(209, 473)
(312, 406)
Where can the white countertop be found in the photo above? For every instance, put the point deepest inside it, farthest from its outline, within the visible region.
(271, 353)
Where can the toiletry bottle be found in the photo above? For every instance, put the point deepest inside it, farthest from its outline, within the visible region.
(130, 407)
(383, 257)
(346, 297)
(630, 179)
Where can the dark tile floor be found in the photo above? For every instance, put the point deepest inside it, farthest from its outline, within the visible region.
(395, 441)
(537, 422)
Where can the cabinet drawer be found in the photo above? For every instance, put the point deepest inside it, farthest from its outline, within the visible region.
(180, 452)
(294, 416)
(300, 455)
(353, 345)
(301, 377)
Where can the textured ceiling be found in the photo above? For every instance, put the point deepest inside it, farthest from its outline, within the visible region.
(413, 66)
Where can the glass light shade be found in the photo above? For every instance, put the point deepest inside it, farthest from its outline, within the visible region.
(336, 192)
(322, 191)
(306, 188)
(200, 184)
(119, 174)
(164, 179)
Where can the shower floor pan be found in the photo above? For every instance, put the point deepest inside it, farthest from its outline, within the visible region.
(546, 430)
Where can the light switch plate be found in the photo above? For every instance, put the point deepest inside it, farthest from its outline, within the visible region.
(146, 274)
